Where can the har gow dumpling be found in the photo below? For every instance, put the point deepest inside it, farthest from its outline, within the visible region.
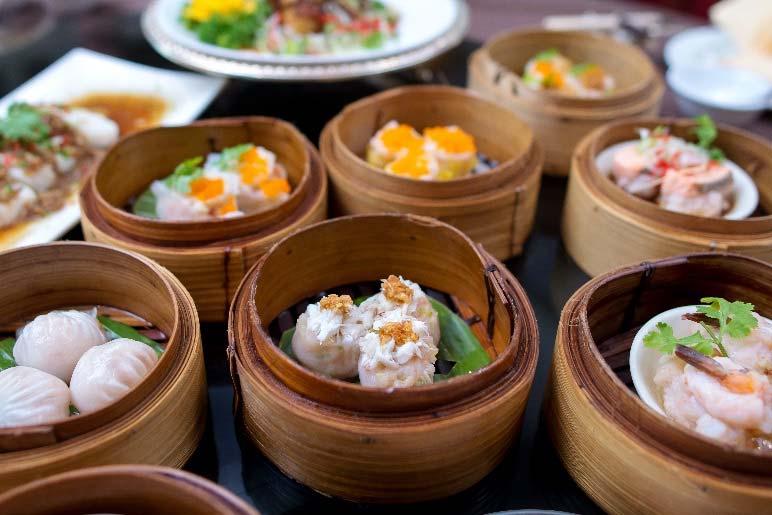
(54, 342)
(326, 336)
(406, 297)
(398, 353)
(30, 397)
(107, 372)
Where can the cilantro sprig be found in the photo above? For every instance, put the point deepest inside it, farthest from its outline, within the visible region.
(734, 319)
(706, 133)
(184, 174)
(24, 123)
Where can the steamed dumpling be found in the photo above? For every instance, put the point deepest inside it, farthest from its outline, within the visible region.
(54, 342)
(30, 397)
(406, 297)
(326, 336)
(108, 372)
(398, 353)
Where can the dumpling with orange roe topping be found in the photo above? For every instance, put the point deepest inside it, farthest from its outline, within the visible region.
(264, 182)
(547, 70)
(415, 163)
(392, 141)
(454, 149)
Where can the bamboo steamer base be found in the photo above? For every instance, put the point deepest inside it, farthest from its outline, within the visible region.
(163, 430)
(622, 476)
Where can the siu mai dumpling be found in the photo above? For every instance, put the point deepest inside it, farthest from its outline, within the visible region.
(398, 353)
(54, 342)
(454, 149)
(29, 397)
(108, 372)
(326, 337)
(406, 297)
(393, 140)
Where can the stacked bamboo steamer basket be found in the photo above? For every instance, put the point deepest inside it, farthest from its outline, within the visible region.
(604, 227)
(124, 489)
(496, 208)
(161, 420)
(558, 120)
(371, 444)
(626, 456)
(209, 257)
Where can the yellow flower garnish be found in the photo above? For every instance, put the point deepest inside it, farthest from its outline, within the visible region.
(202, 10)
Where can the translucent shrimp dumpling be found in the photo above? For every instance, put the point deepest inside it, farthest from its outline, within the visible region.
(108, 372)
(398, 353)
(30, 397)
(54, 342)
(406, 297)
(326, 337)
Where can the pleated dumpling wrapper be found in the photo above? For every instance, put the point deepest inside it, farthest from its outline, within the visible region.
(54, 342)
(326, 336)
(108, 372)
(397, 353)
(29, 397)
(406, 297)
(390, 142)
(454, 149)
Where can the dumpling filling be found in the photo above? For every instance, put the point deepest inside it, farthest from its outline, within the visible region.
(399, 352)
(326, 337)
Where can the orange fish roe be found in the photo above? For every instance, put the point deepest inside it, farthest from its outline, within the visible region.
(274, 187)
(552, 78)
(400, 332)
(205, 189)
(400, 137)
(451, 139)
(414, 163)
(253, 167)
(228, 207)
(342, 304)
(395, 290)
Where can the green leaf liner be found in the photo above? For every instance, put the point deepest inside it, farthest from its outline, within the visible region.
(6, 353)
(145, 205)
(125, 331)
(458, 343)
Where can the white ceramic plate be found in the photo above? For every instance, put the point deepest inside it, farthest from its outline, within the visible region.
(746, 194)
(644, 361)
(80, 72)
(426, 29)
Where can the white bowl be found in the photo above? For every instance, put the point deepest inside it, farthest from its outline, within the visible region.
(703, 47)
(729, 95)
(746, 193)
(644, 361)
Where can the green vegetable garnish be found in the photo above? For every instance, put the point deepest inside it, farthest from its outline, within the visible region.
(373, 40)
(734, 318)
(581, 68)
(236, 30)
(6, 353)
(546, 54)
(230, 156)
(24, 123)
(185, 172)
(707, 133)
(145, 205)
(124, 331)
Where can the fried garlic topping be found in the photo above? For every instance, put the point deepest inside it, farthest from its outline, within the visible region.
(395, 290)
(342, 304)
(400, 332)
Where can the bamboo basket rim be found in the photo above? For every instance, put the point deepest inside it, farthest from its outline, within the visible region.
(531, 163)
(603, 401)
(388, 95)
(638, 209)
(86, 423)
(313, 197)
(260, 220)
(558, 97)
(498, 367)
(171, 477)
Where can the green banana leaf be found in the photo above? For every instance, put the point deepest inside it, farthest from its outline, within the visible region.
(124, 331)
(145, 205)
(6, 353)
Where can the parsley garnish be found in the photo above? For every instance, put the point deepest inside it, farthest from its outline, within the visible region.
(236, 30)
(546, 54)
(185, 172)
(230, 156)
(734, 318)
(707, 133)
(24, 123)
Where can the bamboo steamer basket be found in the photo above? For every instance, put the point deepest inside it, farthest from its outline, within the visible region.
(125, 489)
(370, 444)
(626, 456)
(604, 227)
(496, 208)
(558, 120)
(210, 257)
(159, 422)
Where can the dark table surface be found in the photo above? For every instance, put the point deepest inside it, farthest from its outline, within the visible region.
(531, 475)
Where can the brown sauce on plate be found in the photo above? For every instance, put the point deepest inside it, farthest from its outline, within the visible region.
(130, 111)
